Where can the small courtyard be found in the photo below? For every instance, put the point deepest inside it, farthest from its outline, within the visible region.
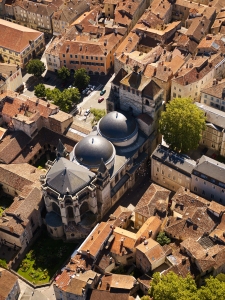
(45, 257)
(5, 202)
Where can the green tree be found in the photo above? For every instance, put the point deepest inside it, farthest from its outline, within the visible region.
(52, 94)
(81, 79)
(98, 114)
(63, 73)
(3, 263)
(146, 297)
(72, 94)
(182, 124)
(173, 287)
(162, 239)
(213, 290)
(221, 277)
(39, 90)
(63, 99)
(35, 67)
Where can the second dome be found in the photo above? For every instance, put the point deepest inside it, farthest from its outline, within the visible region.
(118, 128)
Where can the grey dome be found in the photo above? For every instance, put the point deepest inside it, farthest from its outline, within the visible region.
(91, 149)
(117, 126)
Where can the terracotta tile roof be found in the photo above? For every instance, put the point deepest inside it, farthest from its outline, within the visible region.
(104, 260)
(215, 89)
(120, 216)
(39, 8)
(198, 28)
(146, 205)
(16, 37)
(96, 239)
(69, 12)
(18, 176)
(219, 259)
(193, 247)
(194, 224)
(123, 243)
(216, 207)
(102, 295)
(12, 145)
(116, 282)
(145, 280)
(196, 69)
(44, 137)
(63, 280)
(161, 8)
(149, 71)
(152, 224)
(152, 250)
(7, 282)
(27, 107)
(184, 268)
(219, 231)
(184, 200)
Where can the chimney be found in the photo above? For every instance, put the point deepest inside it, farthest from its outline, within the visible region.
(150, 233)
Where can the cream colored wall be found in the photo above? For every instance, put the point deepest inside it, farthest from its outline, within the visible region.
(168, 177)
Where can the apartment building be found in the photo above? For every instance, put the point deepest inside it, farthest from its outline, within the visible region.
(36, 15)
(171, 169)
(195, 75)
(208, 179)
(205, 177)
(213, 136)
(19, 44)
(214, 95)
(67, 14)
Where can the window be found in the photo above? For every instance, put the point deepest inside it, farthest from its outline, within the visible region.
(63, 55)
(195, 189)
(162, 172)
(204, 183)
(86, 57)
(116, 178)
(91, 57)
(96, 58)
(71, 56)
(174, 95)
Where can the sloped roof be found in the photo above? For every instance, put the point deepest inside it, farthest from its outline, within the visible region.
(65, 176)
(16, 37)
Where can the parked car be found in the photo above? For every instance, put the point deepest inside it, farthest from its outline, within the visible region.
(100, 99)
(85, 91)
(87, 112)
(102, 92)
(88, 92)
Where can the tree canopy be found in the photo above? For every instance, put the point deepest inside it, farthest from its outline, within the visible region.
(98, 114)
(63, 99)
(39, 90)
(174, 287)
(35, 67)
(81, 79)
(182, 124)
(63, 73)
(162, 239)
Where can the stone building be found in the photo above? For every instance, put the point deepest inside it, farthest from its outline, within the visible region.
(102, 166)
(19, 44)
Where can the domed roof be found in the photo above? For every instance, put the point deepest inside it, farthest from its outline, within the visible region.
(91, 149)
(118, 126)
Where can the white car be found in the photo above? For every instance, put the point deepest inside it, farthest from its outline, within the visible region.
(87, 112)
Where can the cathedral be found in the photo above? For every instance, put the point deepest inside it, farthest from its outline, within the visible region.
(80, 187)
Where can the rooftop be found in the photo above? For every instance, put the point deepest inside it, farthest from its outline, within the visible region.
(16, 37)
